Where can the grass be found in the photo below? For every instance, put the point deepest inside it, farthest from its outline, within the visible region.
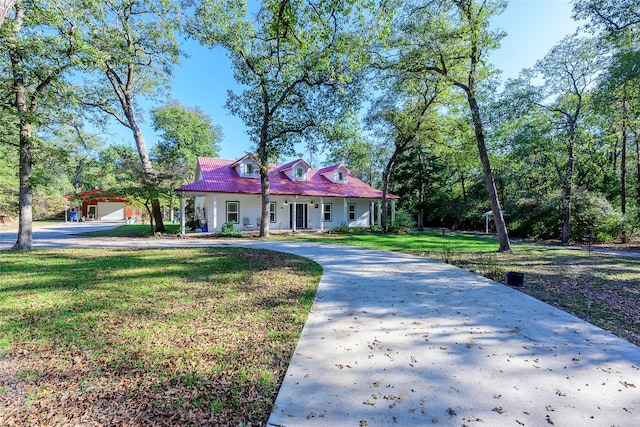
(132, 230)
(417, 243)
(148, 337)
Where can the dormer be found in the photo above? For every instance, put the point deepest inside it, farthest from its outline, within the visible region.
(336, 174)
(247, 166)
(297, 170)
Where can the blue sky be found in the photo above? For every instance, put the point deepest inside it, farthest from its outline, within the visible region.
(532, 27)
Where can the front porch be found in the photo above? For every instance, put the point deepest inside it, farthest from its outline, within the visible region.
(286, 213)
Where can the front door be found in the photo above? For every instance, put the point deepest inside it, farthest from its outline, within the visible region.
(301, 215)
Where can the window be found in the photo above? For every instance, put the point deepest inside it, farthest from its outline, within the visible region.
(272, 212)
(299, 173)
(251, 170)
(352, 211)
(233, 210)
(340, 176)
(327, 213)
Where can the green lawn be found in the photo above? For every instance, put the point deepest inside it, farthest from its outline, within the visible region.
(413, 243)
(133, 230)
(148, 337)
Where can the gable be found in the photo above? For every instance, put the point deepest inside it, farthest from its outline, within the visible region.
(298, 170)
(246, 166)
(337, 174)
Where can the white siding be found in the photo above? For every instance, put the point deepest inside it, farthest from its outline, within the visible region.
(250, 207)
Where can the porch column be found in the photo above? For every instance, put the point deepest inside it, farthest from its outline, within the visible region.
(182, 209)
(294, 218)
(379, 212)
(371, 213)
(345, 218)
(214, 220)
(208, 214)
(393, 212)
(321, 213)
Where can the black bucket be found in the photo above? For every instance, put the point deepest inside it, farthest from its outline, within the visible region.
(515, 279)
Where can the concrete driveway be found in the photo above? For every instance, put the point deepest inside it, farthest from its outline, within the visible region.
(399, 340)
(61, 234)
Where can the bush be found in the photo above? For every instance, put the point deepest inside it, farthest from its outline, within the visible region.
(591, 214)
(341, 229)
(404, 220)
(192, 224)
(227, 230)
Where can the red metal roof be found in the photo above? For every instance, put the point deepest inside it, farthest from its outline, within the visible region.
(219, 176)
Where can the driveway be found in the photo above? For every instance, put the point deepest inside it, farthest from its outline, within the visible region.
(61, 235)
(394, 339)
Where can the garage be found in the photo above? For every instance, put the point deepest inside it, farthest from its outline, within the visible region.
(111, 211)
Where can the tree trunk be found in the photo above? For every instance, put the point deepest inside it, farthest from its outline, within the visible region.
(150, 175)
(5, 7)
(125, 98)
(637, 138)
(385, 189)
(25, 221)
(422, 179)
(25, 210)
(464, 190)
(623, 167)
(501, 227)
(265, 190)
(568, 187)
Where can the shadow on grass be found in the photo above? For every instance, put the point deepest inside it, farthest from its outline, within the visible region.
(169, 337)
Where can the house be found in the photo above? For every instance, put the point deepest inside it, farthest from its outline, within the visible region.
(99, 205)
(301, 197)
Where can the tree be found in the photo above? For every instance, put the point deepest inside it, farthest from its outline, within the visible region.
(569, 71)
(296, 60)
(186, 133)
(362, 157)
(135, 48)
(408, 115)
(452, 38)
(613, 15)
(41, 43)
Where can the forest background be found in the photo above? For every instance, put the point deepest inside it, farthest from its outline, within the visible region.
(392, 98)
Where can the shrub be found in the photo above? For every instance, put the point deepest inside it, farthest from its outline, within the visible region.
(404, 219)
(594, 215)
(341, 229)
(192, 224)
(227, 230)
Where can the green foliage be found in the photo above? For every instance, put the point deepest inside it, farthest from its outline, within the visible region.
(343, 228)
(228, 230)
(192, 224)
(404, 220)
(298, 64)
(186, 133)
(594, 215)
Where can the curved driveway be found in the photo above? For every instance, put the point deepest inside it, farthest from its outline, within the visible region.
(399, 340)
